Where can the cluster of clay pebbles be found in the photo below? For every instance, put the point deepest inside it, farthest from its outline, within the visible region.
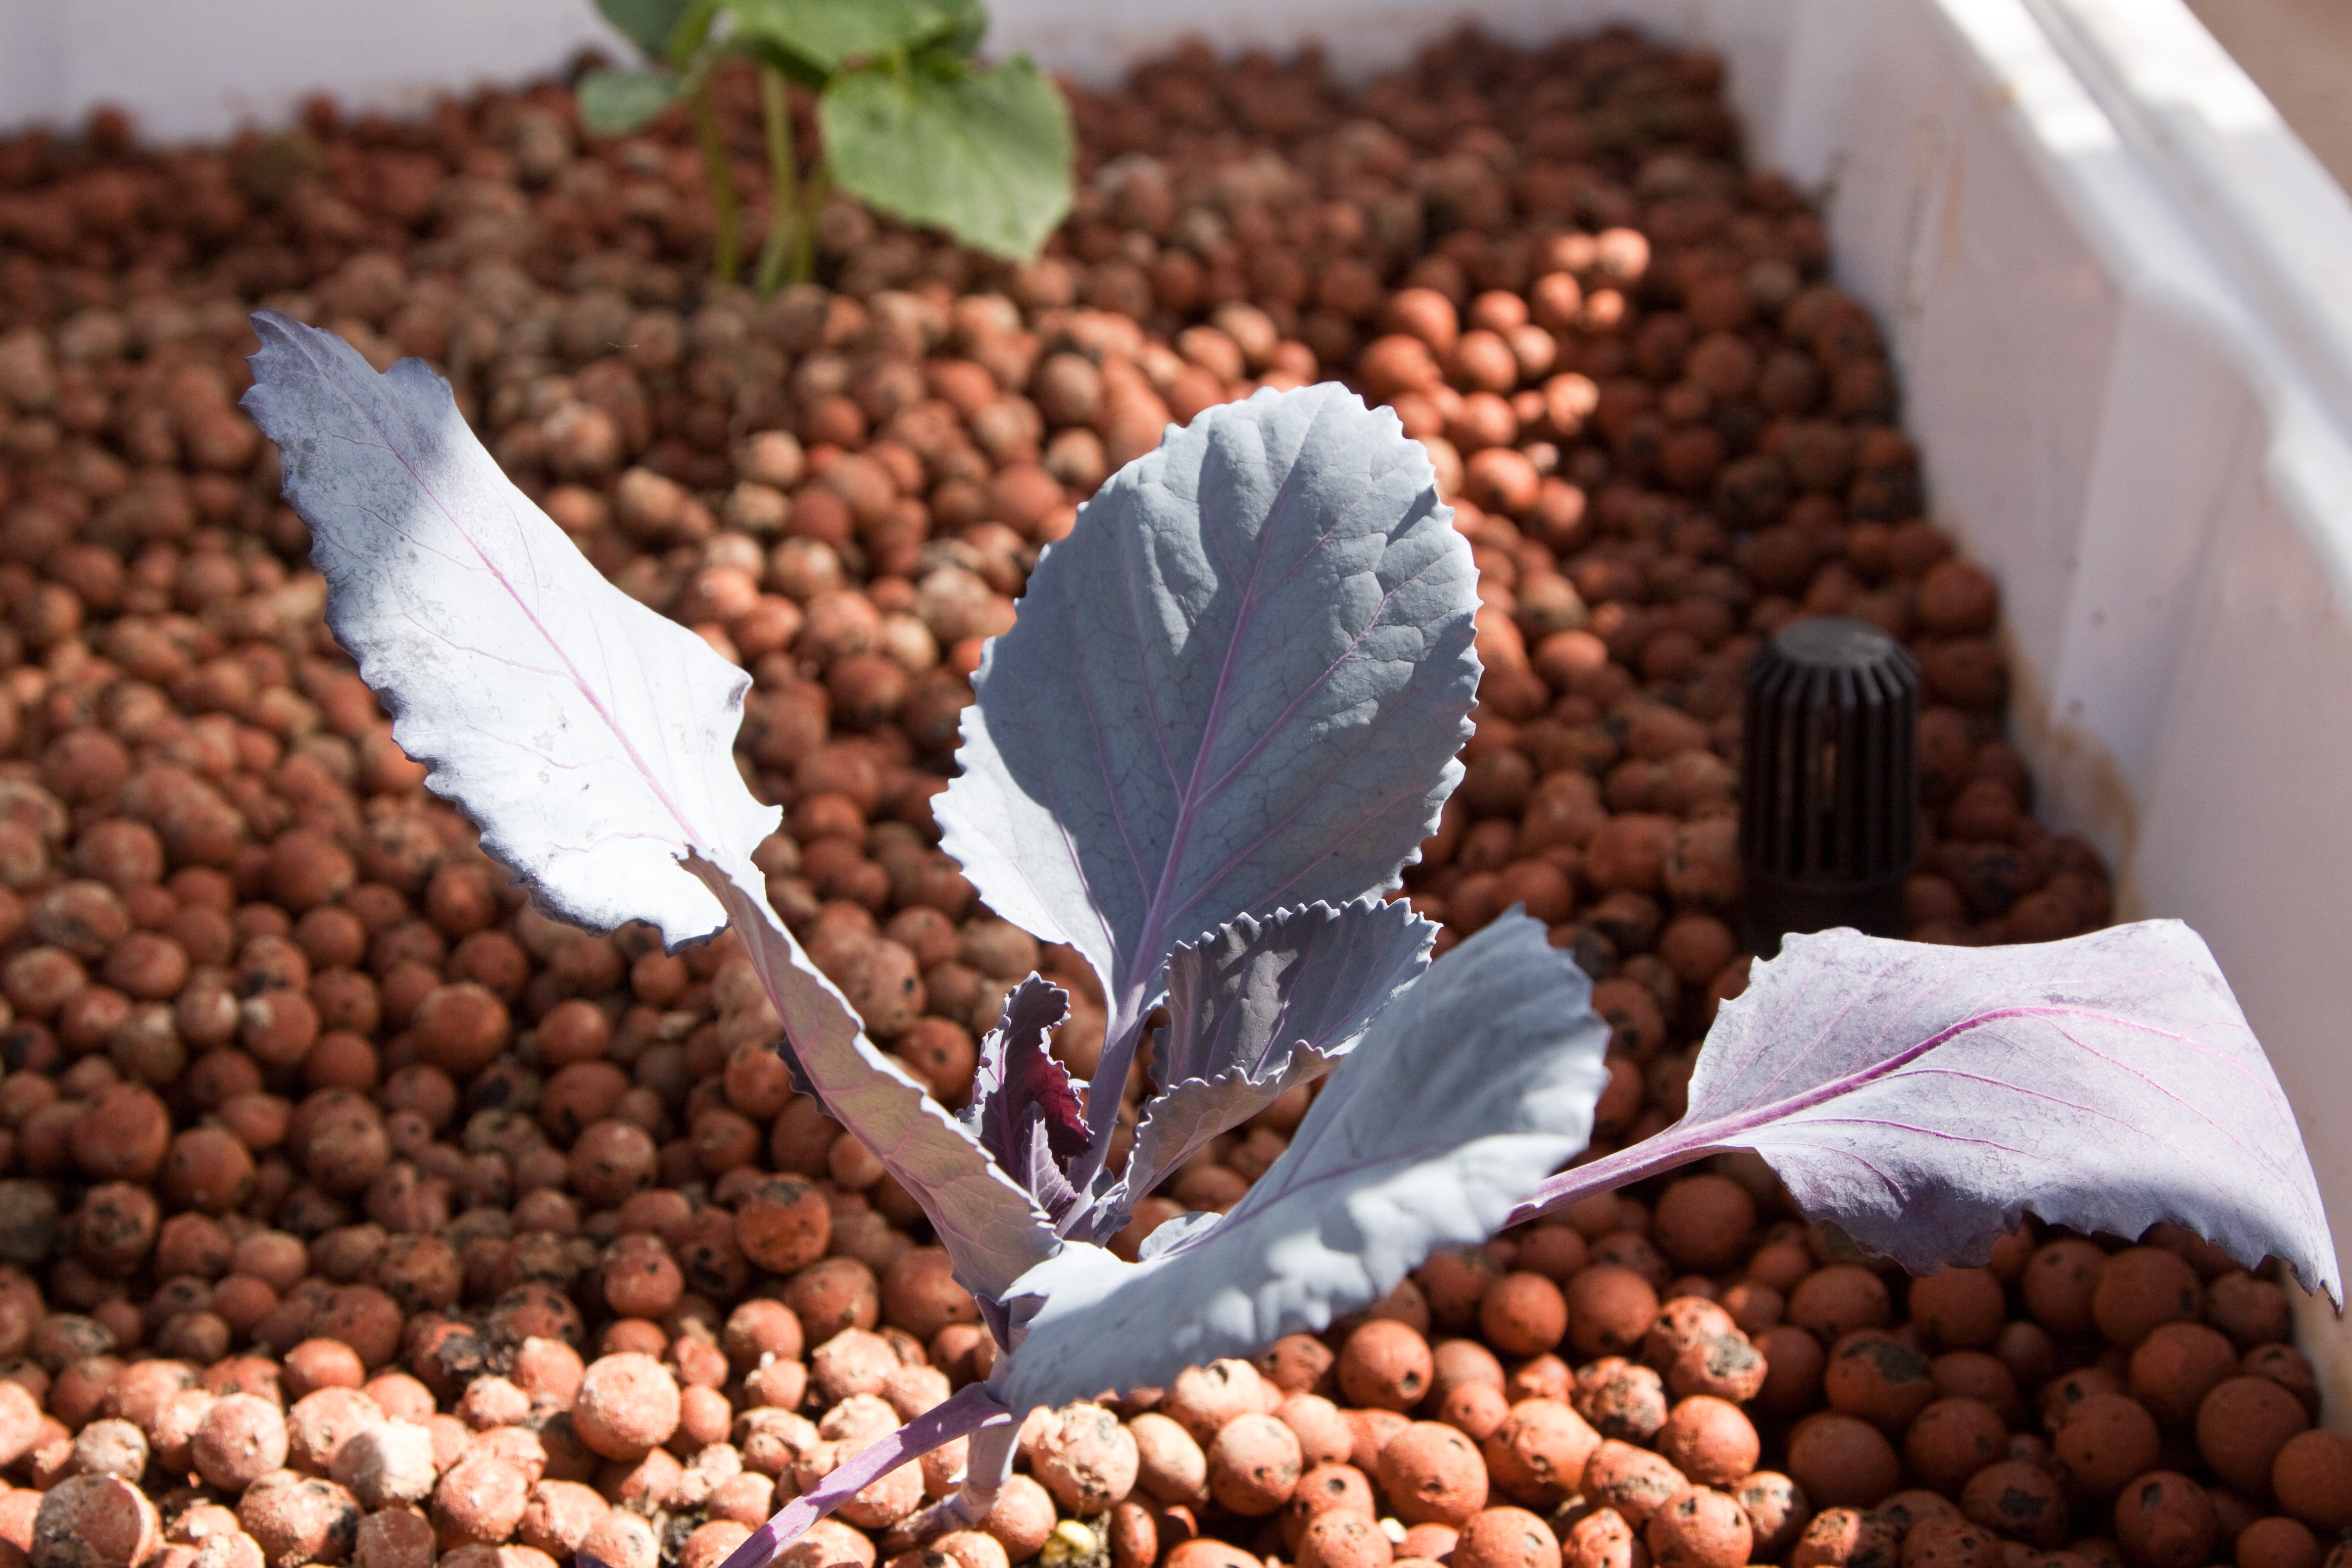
(350, 1211)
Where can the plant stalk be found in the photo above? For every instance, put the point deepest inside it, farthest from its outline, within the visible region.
(717, 170)
(783, 181)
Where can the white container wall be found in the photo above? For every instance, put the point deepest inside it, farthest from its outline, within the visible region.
(2119, 291)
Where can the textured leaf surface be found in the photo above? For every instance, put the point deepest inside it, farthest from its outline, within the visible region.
(984, 154)
(1259, 1007)
(987, 1224)
(1024, 1110)
(1465, 1094)
(591, 738)
(1926, 1097)
(827, 34)
(1238, 684)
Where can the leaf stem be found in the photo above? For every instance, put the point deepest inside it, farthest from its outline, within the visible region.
(783, 181)
(720, 172)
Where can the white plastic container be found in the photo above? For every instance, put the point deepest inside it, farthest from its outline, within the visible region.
(2119, 293)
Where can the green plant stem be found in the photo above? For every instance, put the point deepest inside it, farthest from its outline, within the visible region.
(783, 181)
(717, 168)
(820, 185)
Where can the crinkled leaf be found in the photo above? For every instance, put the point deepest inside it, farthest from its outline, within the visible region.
(1465, 1094)
(615, 102)
(648, 24)
(1239, 683)
(970, 1409)
(1259, 1007)
(1025, 1110)
(987, 1224)
(1926, 1097)
(826, 35)
(984, 154)
(591, 738)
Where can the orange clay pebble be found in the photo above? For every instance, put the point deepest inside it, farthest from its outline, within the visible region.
(2017, 1499)
(1086, 1460)
(2243, 1424)
(242, 1438)
(1709, 1440)
(1879, 1378)
(1699, 1528)
(1343, 1538)
(1634, 1481)
(2312, 1477)
(2058, 1283)
(1840, 1461)
(1506, 1538)
(1847, 1537)
(1169, 1464)
(1326, 1489)
(299, 1518)
(386, 1464)
(1833, 1303)
(1776, 1511)
(1205, 1552)
(1296, 1363)
(1203, 1398)
(1523, 1314)
(1254, 1465)
(2164, 1520)
(627, 1406)
(1432, 1474)
(623, 1540)
(2107, 1440)
(2141, 1288)
(1539, 1453)
(1602, 1539)
(1021, 1518)
(482, 1498)
(1952, 1439)
(1385, 1365)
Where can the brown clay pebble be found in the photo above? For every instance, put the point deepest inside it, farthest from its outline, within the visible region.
(2311, 1478)
(2019, 1500)
(1951, 1440)
(1840, 1461)
(242, 1438)
(1776, 1510)
(94, 1522)
(1848, 1538)
(1634, 1481)
(2242, 1425)
(1432, 1473)
(1951, 1542)
(2164, 1520)
(2277, 1543)
(1703, 1222)
(2140, 1288)
(2107, 1440)
(2176, 1366)
(1709, 1440)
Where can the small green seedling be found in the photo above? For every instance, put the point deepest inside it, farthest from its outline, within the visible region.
(912, 125)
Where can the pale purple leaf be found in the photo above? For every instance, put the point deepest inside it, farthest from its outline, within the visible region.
(1238, 684)
(970, 1409)
(1927, 1097)
(591, 738)
(1256, 1009)
(1467, 1090)
(987, 1224)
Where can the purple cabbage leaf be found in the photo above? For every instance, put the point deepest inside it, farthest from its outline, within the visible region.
(1025, 1106)
(589, 738)
(1927, 1097)
(1463, 1094)
(1256, 1009)
(1237, 685)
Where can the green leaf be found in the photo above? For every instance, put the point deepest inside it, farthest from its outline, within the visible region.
(615, 102)
(646, 23)
(826, 35)
(982, 154)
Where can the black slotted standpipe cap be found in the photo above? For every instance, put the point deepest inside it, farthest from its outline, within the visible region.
(1828, 804)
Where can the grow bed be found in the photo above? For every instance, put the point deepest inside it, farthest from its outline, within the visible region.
(302, 1101)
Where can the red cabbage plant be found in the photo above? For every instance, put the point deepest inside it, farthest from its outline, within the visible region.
(1225, 719)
